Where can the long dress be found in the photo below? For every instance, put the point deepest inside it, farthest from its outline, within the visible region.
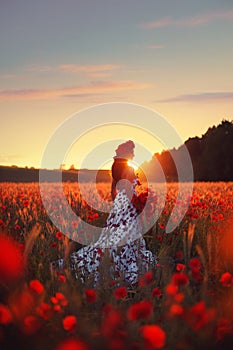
(121, 240)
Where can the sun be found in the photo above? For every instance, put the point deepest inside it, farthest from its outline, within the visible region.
(133, 164)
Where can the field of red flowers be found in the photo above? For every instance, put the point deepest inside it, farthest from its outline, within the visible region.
(184, 302)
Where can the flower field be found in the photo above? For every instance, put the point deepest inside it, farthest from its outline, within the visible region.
(184, 302)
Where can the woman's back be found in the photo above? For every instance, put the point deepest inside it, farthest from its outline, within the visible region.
(120, 171)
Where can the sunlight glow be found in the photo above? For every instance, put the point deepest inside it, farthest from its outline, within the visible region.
(133, 164)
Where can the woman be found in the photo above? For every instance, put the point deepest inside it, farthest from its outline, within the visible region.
(121, 238)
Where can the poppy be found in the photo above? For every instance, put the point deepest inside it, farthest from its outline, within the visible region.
(141, 310)
(11, 260)
(70, 323)
(120, 293)
(90, 295)
(154, 336)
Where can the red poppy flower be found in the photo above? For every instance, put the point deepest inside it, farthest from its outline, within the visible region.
(141, 310)
(112, 283)
(36, 286)
(176, 310)
(179, 297)
(21, 246)
(154, 336)
(196, 275)
(72, 344)
(111, 322)
(11, 260)
(171, 289)
(139, 201)
(179, 255)
(224, 327)
(70, 323)
(107, 308)
(44, 311)
(59, 299)
(120, 293)
(180, 279)
(156, 292)
(194, 263)
(226, 279)
(180, 267)
(31, 324)
(59, 235)
(199, 316)
(90, 295)
(5, 315)
(62, 278)
(146, 279)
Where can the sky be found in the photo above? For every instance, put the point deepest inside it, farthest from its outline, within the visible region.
(60, 57)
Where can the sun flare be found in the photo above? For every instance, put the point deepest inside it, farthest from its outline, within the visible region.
(133, 164)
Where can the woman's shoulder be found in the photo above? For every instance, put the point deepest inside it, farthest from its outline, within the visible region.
(121, 170)
(128, 173)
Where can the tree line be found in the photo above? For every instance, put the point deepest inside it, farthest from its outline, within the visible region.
(211, 156)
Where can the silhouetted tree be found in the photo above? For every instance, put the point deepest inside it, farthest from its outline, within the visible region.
(211, 156)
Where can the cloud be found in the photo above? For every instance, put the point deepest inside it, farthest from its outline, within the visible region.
(193, 21)
(14, 76)
(90, 89)
(164, 22)
(93, 71)
(10, 158)
(99, 75)
(79, 68)
(199, 97)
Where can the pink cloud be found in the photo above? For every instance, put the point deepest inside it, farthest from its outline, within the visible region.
(79, 68)
(14, 76)
(190, 21)
(164, 22)
(201, 97)
(91, 89)
(93, 71)
(99, 75)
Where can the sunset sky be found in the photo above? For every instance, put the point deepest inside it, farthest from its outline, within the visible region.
(61, 56)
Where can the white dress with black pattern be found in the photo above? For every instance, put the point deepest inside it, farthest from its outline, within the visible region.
(122, 240)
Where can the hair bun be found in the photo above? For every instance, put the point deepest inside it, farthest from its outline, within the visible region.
(124, 149)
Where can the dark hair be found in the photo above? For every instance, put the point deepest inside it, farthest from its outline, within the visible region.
(118, 168)
(124, 149)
